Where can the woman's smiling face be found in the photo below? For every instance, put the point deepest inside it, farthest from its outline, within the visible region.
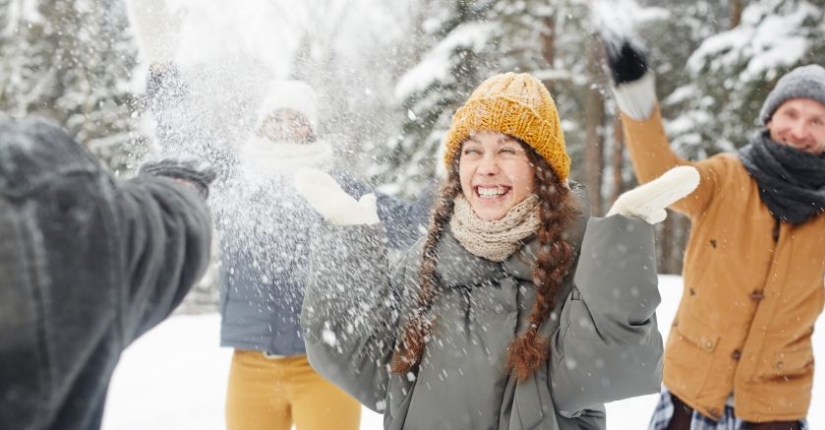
(495, 174)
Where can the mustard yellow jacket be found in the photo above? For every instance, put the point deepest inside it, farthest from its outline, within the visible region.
(753, 289)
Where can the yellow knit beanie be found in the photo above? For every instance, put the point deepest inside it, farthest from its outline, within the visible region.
(518, 105)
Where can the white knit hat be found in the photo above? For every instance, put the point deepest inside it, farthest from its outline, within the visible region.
(295, 95)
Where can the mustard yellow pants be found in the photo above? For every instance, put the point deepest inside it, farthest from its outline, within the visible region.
(275, 393)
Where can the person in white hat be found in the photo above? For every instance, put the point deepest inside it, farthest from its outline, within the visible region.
(265, 229)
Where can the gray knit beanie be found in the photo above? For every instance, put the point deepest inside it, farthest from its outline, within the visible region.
(804, 82)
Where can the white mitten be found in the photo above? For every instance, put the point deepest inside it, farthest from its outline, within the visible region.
(332, 202)
(649, 201)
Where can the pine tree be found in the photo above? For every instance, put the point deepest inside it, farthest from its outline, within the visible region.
(464, 43)
(354, 80)
(732, 71)
(70, 61)
(714, 63)
(456, 57)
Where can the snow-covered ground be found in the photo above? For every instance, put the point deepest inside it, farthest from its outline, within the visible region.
(174, 378)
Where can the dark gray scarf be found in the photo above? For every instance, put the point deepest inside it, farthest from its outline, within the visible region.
(791, 182)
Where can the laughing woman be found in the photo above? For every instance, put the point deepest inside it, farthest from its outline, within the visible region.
(516, 310)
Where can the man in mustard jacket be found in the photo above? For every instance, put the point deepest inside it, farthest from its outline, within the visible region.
(739, 352)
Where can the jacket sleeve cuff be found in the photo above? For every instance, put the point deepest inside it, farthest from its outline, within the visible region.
(194, 172)
(636, 99)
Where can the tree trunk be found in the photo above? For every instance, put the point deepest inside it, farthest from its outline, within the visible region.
(548, 47)
(594, 127)
(420, 13)
(736, 7)
(672, 237)
(667, 243)
(618, 158)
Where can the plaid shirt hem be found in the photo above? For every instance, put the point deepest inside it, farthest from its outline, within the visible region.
(728, 421)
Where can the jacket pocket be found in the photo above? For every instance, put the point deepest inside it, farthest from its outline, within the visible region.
(690, 349)
(789, 363)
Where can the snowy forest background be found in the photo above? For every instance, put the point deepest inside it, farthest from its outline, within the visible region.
(391, 73)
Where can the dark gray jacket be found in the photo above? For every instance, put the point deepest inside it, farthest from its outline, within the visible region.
(265, 233)
(87, 264)
(605, 344)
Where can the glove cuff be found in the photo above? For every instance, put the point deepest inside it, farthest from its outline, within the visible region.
(636, 99)
(198, 174)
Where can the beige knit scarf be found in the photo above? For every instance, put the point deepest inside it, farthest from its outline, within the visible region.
(499, 239)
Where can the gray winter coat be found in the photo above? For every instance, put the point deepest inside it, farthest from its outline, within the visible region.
(87, 264)
(605, 344)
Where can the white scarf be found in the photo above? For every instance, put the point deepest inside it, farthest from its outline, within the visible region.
(261, 157)
(499, 239)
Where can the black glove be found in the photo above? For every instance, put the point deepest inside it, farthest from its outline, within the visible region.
(627, 60)
(197, 173)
